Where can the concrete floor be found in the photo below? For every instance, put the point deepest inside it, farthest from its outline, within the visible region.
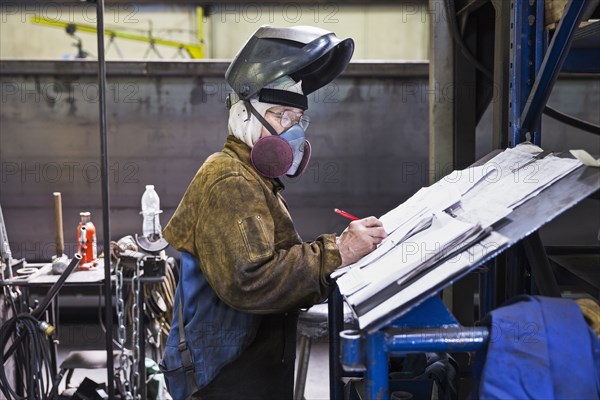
(317, 381)
(90, 337)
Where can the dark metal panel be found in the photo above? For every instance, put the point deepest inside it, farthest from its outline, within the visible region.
(187, 68)
(471, 7)
(465, 119)
(486, 89)
(441, 107)
(114, 68)
(582, 60)
(167, 117)
(501, 77)
(217, 2)
(369, 138)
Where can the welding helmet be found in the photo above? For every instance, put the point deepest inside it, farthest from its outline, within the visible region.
(312, 55)
(307, 56)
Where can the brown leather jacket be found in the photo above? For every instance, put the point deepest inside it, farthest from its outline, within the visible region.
(237, 224)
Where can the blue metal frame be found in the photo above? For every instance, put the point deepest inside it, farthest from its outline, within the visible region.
(335, 312)
(487, 289)
(526, 40)
(377, 381)
(427, 327)
(551, 66)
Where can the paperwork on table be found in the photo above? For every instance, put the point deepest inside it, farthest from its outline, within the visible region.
(445, 228)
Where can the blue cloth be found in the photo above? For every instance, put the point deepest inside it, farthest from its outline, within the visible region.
(215, 333)
(539, 348)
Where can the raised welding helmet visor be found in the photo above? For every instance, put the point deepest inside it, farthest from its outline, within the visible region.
(312, 55)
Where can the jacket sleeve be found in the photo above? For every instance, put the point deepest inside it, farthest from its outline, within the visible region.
(235, 242)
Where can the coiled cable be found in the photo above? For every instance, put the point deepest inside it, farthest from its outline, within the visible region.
(33, 352)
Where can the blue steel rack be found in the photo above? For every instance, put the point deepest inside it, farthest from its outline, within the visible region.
(429, 326)
(529, 100)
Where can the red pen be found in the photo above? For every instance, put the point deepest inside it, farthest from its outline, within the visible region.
(345, 214)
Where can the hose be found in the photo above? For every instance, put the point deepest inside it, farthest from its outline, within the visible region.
(34, 349)
(572, 121)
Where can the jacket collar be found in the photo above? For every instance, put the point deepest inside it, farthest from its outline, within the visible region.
(240, 150)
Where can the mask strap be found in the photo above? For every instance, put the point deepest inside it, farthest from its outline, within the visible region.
(260, 118)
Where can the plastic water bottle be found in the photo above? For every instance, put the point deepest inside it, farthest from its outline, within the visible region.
(150, 211)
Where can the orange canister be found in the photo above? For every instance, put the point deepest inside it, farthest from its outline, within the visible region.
(87, 245)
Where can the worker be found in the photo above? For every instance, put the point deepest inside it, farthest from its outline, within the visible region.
(245, 272)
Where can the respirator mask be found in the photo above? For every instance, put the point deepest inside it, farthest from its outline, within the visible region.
(276, 155)
(286, 154)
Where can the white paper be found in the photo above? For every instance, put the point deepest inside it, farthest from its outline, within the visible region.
(513, 188)
(529, 147)
(400, 235)
(429, 245)
(466, 179)
(406, 220)
(352, 281)
(486, 213)
(554, 174)
(439, 275)
(429, 199)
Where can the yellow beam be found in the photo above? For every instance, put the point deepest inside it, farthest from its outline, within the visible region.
(195, 51)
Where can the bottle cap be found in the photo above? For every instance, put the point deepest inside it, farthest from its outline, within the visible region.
(150, 187)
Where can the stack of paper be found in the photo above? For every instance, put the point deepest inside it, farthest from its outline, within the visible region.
(519, 176)
(443, 229)
(407, 219)
(425, 248)
(433, 279)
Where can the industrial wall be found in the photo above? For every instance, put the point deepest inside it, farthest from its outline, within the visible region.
(369, 131)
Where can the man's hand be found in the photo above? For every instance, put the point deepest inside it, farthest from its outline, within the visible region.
(360, 238)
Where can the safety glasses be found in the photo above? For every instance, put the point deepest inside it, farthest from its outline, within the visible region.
(287, 118)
